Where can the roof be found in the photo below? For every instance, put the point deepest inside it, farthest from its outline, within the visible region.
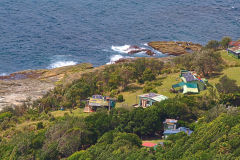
(171, 131)
(97, 100)
(189, 77)
(154, 96)
(186, 130)
(191, 85)
(234, 43)
(235, 49)
(187, 89)
(180, 129)
(97, 97)
(170, 121)
(160, 98)
(149, 95)
(178, 85)
(148, 144)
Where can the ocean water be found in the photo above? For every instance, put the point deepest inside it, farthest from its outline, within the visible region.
(37, 34)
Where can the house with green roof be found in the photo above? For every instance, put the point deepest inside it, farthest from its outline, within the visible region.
(191, 82)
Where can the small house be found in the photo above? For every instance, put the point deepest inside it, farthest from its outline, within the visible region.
(191, 82)
(170, 124)
(99, 101)
(149, 99)
(170, 128)
(234, 51)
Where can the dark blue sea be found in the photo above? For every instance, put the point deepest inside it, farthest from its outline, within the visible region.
(36, 34)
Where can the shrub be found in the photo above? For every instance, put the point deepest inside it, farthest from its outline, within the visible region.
(213, 44)
(225, 41)
(40, 125)
(120, 98)
(148, 75)
(5, 115)
(227, 85)
(114, 93)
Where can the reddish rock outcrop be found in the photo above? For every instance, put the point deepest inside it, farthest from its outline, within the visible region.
(175, 48)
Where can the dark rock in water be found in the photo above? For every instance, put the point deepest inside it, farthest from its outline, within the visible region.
(122, 60)
(135, 49)
(150, 53)
(175, 48)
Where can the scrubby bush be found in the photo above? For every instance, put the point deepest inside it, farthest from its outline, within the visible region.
(40, 125)
(225, 41)
(5, 115)
(213, 44)
(120, 98)
(227, 85)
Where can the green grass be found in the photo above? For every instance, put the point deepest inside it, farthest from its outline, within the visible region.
(167, 82)
(228, 59)
(76, 112)
(131, 97)
(232, 73)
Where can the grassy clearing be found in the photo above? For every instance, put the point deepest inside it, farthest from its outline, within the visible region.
(76, 112)
(232, 73)
(131, 97)
(228, 59)
(167, 82)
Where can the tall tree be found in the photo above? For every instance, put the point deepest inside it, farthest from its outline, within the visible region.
(225, 41)
(206, 61)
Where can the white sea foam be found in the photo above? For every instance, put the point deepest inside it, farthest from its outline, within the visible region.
(145, 44)
(126, 48)
(121, 49)
(117, 57)
(62, 64)
(3, 74)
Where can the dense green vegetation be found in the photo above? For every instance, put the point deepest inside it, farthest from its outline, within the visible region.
(38, 131)
(69, 134)
(217, 138)
(109, 81)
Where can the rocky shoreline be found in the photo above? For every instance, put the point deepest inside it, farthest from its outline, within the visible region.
(166, 47)
(27, 86)
(175, 48)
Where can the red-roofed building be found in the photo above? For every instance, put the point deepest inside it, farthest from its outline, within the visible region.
(148, 144)
(234, 49)
(234, 43)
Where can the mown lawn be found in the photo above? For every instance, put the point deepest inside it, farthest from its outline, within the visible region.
(228, 59)
(232, 73)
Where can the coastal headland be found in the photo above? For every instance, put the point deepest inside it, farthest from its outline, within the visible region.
(27, 86)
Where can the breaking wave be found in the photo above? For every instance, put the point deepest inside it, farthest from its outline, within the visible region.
(3, 74)
(115, 58)
(62, 64)
(126, 48)
(121, 49)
